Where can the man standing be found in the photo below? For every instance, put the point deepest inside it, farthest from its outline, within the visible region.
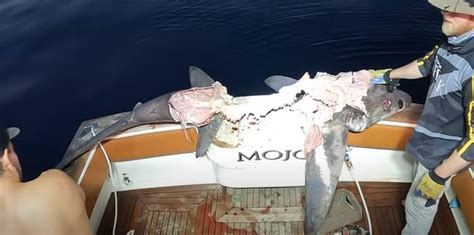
(51, 204)
(443, 140)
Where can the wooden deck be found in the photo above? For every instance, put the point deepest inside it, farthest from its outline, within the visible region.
(213, 209)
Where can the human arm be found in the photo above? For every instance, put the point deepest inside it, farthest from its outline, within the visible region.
(391, 77)
(408, 71)
(432, 183)
(452, 165)
(416, 69)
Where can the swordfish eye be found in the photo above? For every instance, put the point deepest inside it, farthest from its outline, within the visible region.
(386, 104)
(401, 104)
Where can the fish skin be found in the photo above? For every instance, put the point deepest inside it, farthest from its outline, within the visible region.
(153, 111)
(276, 82)
(319, 185)
(319, 193)
(199, 78)
(207, 134)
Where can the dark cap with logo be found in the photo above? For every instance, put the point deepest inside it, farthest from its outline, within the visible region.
(6, 135)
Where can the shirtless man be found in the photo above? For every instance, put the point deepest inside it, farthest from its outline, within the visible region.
(51, 204)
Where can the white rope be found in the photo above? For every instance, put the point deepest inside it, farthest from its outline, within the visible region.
(107, 159)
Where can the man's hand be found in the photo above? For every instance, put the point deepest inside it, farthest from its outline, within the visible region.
(380, 76)
(431, 185)
(378, 80)
(383, 77)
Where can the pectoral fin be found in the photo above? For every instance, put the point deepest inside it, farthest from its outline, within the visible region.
(207, 133)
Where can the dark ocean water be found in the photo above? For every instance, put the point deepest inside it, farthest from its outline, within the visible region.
(63, 62)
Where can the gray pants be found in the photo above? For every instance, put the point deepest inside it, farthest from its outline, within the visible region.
(419, 217)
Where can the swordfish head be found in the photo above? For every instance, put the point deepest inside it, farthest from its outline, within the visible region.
(324, 163)
(351, 104)
(379, 104)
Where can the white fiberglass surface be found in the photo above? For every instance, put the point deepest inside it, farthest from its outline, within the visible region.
(233, 171)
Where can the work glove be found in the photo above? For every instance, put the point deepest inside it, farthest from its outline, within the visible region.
(431, 185)
(378, 73)
(382, 76)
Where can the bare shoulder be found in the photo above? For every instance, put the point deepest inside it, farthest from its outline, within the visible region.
(55, 177)
(55, 195)
(57, 180)
(54, 173)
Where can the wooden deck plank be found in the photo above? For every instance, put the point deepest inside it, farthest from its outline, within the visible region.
(158, 212)
(375, 224)
(187, 194)
(172, 200)
(268, 228)
(237, 229)
(237, 198)
(281, 199)
(266, 214)
(300, 227)
(187, 188)
(261, 198)
(274, 198)
(166, 222)
(286, 197)
(167, 207)
(159, 222)
(268, 199)
(169, 228)
(106, 220)
(212, 214)
(387, 221)
(207, 212)
(274, 228)
(397, 218)
(220, 209)
(191, 224)
(154, 220)
(281, 228)
(256, 197)
(244, 198)
(177, 223)
(299, 197)
(200, 218)
(393, 221)
(184, 220)
(294, 228)
(142, 225)
(288, 227)
(138, 216)
(148, 223)
(257, 228)
(249, 196)
(123, 207)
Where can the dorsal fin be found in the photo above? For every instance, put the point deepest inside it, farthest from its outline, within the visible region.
(199, 78)
(137, 105)
(276, 82)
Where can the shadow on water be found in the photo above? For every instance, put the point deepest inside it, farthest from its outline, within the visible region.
(67, 61)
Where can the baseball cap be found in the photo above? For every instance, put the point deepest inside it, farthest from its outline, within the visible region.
(456, 6)
(6, 135)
